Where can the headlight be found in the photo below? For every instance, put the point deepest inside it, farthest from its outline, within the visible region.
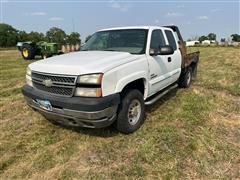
(29, 80)
(88, 92)
(29, 72)
(28, 77)
(90, 79)
(89, 85)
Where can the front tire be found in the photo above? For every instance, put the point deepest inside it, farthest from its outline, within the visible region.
(131, 113)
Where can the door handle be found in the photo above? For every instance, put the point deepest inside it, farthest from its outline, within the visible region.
(169, 59)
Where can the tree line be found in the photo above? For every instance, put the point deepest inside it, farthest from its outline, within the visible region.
(210, 36)
(9, 36)
(213, 37)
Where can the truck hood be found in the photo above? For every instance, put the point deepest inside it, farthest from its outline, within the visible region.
(83, 62)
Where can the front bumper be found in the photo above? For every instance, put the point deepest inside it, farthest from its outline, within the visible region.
(75, 111)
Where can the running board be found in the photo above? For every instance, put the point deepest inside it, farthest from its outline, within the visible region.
(154, 99)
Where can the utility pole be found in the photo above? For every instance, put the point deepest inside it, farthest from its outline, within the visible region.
(1, 10)
(73, 25)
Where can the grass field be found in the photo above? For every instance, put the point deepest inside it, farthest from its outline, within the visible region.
(191, 133)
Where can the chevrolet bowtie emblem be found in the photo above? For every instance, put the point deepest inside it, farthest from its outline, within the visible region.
(47, 82)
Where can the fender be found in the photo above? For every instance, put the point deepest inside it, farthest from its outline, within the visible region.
(123, 82)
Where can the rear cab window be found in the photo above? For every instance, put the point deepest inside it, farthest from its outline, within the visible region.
(171, 39)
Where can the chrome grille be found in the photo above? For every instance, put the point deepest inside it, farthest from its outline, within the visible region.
(64, 91)
(62, 85)
(55, 78)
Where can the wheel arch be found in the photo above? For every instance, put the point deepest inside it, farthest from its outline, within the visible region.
(137, 83)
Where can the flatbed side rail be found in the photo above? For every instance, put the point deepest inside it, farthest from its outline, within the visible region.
(191, 57)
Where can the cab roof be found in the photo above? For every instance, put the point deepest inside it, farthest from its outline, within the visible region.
(133, 27)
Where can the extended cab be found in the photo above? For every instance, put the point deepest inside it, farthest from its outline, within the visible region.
(117, 72)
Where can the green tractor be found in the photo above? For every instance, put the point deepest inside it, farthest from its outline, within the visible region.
(44, 49)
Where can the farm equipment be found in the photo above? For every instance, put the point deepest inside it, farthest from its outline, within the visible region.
(30, 49)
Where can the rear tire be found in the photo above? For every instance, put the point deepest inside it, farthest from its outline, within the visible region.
(28, 52)
(185, 78)
(131, 113)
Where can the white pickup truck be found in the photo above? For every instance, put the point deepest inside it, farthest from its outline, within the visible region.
(117, 72)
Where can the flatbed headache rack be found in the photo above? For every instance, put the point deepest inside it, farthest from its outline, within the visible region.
(187, 58)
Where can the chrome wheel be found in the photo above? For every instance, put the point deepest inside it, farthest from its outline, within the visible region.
(134, 112)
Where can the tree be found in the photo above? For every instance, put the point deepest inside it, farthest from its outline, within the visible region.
(87, 38)
(203, 38)
(56, 35)
(235, 37)
(35, 36)
(223, 40)
(8, 35)
(74, 38)
(22, 36)
(32, 36)
(212, 36)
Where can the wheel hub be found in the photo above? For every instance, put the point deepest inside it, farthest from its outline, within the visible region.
(134, 112)
(188, 77)
(25, 52)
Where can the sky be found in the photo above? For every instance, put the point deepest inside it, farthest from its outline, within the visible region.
(194, 18)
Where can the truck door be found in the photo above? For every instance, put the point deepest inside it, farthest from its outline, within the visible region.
(159, 74)
(174, 59)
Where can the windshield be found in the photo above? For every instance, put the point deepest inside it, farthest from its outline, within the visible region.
(127, 40)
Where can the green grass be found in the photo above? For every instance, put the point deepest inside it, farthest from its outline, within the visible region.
(191, 133)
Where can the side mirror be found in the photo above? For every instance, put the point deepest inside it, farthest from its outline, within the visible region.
(163, 50)
(166, 50)
(153, 52)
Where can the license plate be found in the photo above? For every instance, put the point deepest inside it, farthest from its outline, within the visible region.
(44, 104)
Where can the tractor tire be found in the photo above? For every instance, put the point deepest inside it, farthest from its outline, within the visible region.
(28, 52)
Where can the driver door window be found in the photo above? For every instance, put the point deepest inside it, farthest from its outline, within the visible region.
(157, 39)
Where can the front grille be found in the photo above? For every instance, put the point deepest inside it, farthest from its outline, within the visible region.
(64, 91)
(62, 85)
(55, 78)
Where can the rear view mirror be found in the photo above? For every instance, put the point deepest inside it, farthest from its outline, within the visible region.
(163, 50)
